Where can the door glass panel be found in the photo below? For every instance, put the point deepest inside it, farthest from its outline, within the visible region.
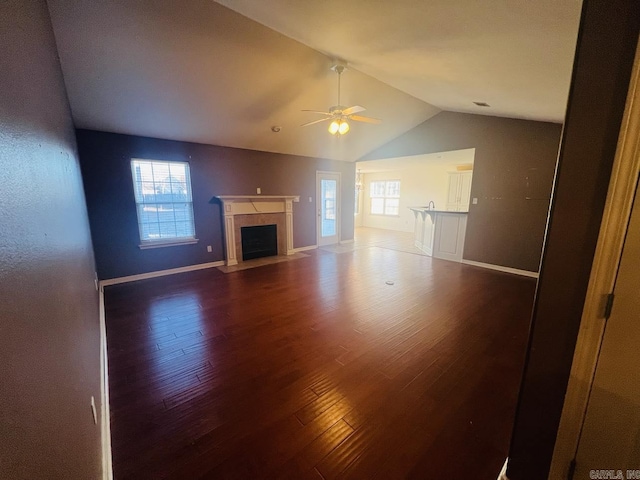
(328, 213)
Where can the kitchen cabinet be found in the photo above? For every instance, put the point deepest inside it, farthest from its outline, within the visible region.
(459, 192)
(440, 234)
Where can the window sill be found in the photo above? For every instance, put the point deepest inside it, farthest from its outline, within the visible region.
(172, 243)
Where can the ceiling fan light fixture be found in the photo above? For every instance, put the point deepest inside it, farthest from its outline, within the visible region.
(338, 114)
(339, 127)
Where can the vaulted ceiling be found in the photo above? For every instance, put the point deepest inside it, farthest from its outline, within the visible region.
(198, 71)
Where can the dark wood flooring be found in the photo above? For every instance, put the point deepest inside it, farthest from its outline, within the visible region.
(316, 368)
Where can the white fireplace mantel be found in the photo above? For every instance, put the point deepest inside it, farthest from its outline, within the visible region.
(233, 205)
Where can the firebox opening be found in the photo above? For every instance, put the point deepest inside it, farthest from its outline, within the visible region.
(259, 241)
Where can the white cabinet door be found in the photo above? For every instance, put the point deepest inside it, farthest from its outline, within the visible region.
(454, 189)
(450, 230)
(465, 191)
(459, 191)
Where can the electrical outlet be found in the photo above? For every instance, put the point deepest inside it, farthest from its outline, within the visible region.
(475, 201)
(258, 190)
(93, 410)
(310, 199)
(209, 249)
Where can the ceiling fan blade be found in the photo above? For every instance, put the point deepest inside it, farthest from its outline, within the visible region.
(315, 121)
(359, 118)
(352, 110)
(317, 111)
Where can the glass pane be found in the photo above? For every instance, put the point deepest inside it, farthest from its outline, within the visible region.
(184, 229)
(330, 209)
(377, 206)
(147, 192)
(392, 206)
(150, 231)
(167, 230)
(328, 213)
(165, 213)
(182, 212)
(377, 189)
(147, 213)
(393, 188)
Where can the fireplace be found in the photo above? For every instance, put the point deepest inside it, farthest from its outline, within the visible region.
(259, 241)
(256, 210)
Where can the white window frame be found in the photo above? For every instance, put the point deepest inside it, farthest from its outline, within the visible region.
(385, 198)
(140, 201)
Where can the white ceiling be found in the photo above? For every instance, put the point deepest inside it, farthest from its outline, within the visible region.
(198, 71)
(515, 55)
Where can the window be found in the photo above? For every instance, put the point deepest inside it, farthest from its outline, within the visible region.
(385, 197)
(163, 202)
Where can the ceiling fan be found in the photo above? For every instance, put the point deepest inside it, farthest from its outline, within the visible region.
(339, 114)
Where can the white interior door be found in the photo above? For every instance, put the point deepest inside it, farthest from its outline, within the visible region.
(328, 206)
(610, 437)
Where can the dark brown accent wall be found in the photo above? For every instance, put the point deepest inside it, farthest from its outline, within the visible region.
(513, 173)
(49, 319)
(105, 159)
(604, 57)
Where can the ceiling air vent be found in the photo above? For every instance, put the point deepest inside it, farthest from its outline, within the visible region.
(482, 104)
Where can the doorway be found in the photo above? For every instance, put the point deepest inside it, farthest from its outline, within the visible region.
(610, 437)
(328, 204)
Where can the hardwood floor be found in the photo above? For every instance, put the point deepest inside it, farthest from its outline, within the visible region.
(316, 368)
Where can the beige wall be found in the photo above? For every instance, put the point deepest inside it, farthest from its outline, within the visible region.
(513, 173)
(49, 328)
(421, 181)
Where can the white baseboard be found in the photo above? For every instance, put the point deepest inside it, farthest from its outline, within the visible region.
(342, 242)
(503, 472)
(105, 417)
(500, 268)
(159, 273)
(304, 249)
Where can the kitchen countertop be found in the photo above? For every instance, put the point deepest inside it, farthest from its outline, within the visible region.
(427, 210)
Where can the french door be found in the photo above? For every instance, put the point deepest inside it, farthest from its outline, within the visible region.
(328, 207)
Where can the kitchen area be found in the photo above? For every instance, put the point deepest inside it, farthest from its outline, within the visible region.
(430, 198)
